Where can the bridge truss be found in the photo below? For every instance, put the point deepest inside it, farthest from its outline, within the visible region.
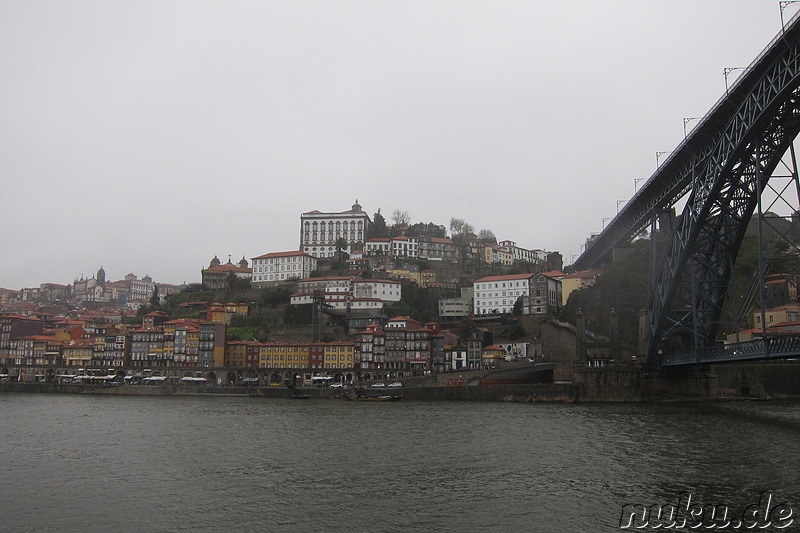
(721, 169)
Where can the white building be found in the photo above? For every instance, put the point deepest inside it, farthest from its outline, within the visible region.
(319, 231)
(382, 289)
(522, 254)
(345, 293)
(454, 308)
(273, 268)
(336, 290)
(400, 246)
(377, 247)
(498, 294)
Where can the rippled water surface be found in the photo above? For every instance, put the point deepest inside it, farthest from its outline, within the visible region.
(83, 463)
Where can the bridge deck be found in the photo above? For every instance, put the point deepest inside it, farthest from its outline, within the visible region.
(783, 347)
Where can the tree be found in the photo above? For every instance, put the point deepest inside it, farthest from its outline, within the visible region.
(154, 300)
(401, 218)
(518, 305)
(232, 281)
(430, 229)
(340, 244)
(377, 229)
(487, 236)
(459, 227)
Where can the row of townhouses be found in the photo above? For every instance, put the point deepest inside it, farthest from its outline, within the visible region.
(400, 347)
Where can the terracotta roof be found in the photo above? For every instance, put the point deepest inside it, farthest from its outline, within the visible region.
(583, 274)
(553, 274)
(329, 278)
(504, 278)
(283, 254)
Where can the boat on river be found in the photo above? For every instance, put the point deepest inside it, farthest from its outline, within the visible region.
(363, 396)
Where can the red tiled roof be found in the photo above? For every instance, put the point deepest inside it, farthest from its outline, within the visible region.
(505, 277)
(282, 254)
(583, 274)
(227, 267)
(329, 278)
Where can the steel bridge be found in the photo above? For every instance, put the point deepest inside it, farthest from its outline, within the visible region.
(720, 169)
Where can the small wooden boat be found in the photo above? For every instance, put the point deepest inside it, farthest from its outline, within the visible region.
(300, 397)
(361, 396)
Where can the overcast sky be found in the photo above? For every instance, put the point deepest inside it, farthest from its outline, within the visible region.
(149, 136)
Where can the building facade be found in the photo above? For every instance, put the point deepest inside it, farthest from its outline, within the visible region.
(319, 231)
(278, 267)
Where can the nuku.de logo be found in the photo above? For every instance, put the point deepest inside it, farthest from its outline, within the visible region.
(695, 515)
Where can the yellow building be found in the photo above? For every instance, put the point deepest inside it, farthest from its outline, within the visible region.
(339, 355)
(494, 254)
(273, 355)
(218, 312)
(487, 254)
(78, 352)
(777, 315)
(576, 281)
(236, 354)
(492, 355)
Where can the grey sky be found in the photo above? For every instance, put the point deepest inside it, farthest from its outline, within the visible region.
(149, 136)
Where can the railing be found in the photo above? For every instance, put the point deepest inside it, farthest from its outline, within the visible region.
(785, 346)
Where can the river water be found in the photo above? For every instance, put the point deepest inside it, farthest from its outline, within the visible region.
(91, 463)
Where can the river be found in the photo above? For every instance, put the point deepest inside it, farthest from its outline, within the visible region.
(99, 463)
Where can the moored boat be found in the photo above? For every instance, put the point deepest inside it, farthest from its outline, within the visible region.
(361, 396)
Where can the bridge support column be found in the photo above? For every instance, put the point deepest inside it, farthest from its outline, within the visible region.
(581, 359)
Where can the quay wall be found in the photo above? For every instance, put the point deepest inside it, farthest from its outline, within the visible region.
(774, 380)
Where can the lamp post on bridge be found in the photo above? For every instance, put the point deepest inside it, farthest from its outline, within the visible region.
(687, 120)
(636, 182)
(659, 154)
(728, 70)
(782, 6)
(620, 202)
(605, 220)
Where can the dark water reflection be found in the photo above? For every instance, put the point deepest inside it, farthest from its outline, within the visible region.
(74, 463)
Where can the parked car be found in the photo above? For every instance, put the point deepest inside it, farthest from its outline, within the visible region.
(378, 385)
(395, 385)
(337, 385)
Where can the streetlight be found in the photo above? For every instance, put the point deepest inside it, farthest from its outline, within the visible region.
(784, 5)
(659, 154)
(620, 202)
(604, 222)
(728, 70)
(636, 182)
(687, 120)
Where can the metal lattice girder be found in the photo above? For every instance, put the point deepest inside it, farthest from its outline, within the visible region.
(687, 297)
(724, 127)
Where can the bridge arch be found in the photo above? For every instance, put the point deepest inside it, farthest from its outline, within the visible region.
(721, 168)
